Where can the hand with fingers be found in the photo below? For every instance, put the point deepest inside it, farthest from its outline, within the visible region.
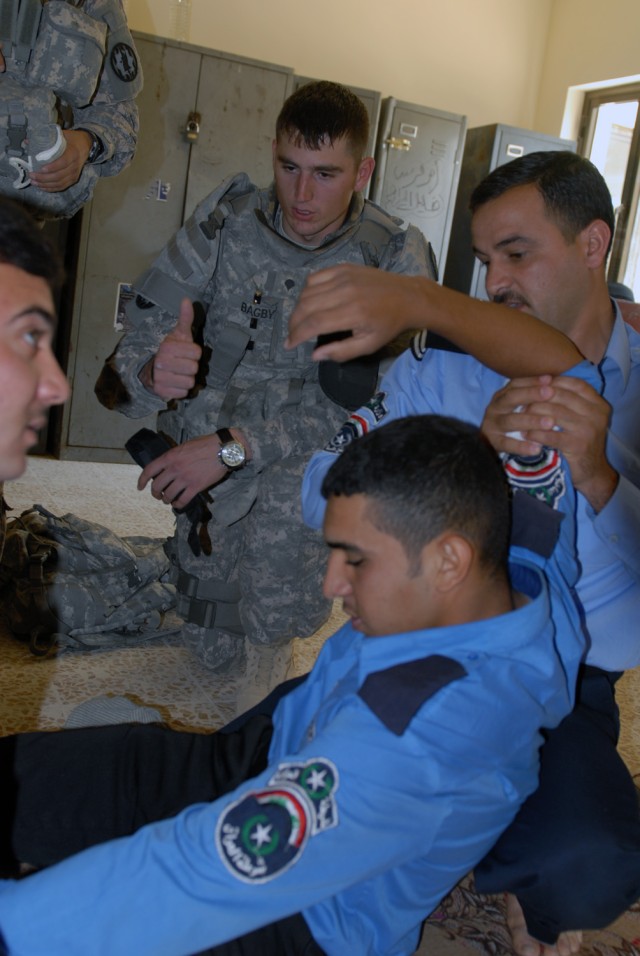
(559, 412)
(171, 373)
(370, 305)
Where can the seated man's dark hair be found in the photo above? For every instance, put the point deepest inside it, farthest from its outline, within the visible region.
(427, 474)
(321, 111)
(24, 245)
(573, 190)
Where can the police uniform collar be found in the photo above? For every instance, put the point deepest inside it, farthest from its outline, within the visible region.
(619, 349)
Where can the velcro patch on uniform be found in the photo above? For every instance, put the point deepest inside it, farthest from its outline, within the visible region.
(534, 524)
(263, 834)
(396, 694)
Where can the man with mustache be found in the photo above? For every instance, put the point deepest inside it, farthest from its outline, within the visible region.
(542, 226)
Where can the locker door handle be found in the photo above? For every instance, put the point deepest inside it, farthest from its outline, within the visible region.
(397, 142)
(192, 127)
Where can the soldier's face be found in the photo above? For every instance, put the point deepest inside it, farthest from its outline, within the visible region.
(315, 186)
(381, 590)
(31, 379)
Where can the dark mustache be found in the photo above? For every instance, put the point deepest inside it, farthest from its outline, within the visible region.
(504, 298)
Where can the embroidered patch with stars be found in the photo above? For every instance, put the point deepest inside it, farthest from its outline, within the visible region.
(262, 834)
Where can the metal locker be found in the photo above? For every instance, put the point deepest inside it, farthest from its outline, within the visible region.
(203, 115)
(486, 148)
(417, 168)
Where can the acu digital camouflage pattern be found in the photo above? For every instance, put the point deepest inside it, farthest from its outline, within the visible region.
(81, 70)
(73, 583)
(231, 257)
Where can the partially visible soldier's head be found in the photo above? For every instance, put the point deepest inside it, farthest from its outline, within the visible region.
(318, 159)
(31, 381)
(321, 113)
(411, 507)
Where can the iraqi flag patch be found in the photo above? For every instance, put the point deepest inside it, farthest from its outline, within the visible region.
(262, 834)
(540, 475)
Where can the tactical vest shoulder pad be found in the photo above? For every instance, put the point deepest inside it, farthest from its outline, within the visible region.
(395, 695)
(68, 37)
(377, 229)
(186, 264)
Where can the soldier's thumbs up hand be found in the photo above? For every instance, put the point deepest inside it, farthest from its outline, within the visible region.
(172, 371)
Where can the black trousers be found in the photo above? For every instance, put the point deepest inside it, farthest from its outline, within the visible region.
(66, 791)
(572, 854)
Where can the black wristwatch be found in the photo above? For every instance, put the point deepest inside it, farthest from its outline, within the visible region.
(97, 146)
(232, 453)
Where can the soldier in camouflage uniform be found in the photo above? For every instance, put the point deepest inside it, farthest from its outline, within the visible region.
(244, 255)
(69, 75)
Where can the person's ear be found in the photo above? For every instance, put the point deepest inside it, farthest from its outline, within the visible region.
(454, 557)
(595, 240)
(365, 171)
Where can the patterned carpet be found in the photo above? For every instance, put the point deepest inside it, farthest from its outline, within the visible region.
(37, 693)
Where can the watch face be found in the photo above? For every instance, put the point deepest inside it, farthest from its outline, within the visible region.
(233, 454)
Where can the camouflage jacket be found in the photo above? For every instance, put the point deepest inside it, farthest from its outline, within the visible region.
(231, 257)
(80, 70)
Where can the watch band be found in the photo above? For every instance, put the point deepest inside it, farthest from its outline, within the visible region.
(225, 436)
(97, 146)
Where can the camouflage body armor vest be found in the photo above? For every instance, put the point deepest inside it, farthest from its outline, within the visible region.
(54, 55)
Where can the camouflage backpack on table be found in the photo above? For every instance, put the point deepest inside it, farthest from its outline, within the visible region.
(68, 582)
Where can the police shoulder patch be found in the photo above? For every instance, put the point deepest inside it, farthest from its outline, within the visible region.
(396, 694)
(263, 833)
(124, 62)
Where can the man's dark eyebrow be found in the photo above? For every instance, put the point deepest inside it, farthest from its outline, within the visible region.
(341, 546)
(507, 241)
(37, 310)
(322, 167)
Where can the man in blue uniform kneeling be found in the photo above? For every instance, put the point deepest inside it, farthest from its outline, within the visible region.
(338, 825)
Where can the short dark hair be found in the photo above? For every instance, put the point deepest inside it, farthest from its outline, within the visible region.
(24, 245)
(426, 474)
(573, 190)
(321, 110)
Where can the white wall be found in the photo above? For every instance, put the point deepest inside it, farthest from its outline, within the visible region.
(480, 59)
(590, 41)
(508, 61)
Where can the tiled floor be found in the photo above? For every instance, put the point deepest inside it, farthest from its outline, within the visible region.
(41, 693)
